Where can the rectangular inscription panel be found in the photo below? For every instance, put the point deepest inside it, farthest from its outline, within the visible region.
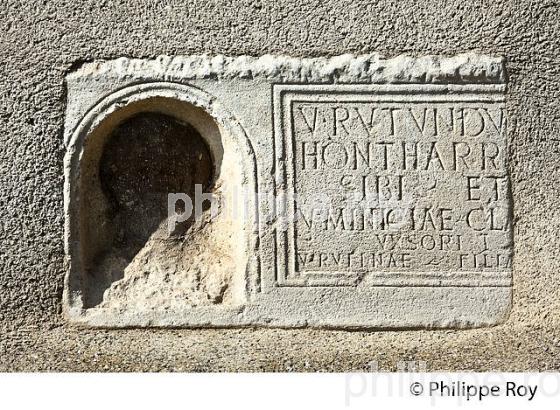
(392, 185)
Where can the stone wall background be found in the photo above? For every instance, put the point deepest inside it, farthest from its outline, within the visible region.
(40, 42)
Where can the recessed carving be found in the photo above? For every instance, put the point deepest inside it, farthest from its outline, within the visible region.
(145, 158)
(132, 255)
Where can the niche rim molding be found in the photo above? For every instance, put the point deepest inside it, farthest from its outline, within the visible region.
(74, 306)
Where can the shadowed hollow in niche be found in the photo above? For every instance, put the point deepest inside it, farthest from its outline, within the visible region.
(149, 156)
(146, 157)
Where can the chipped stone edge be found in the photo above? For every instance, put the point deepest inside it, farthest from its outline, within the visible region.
(347, 68)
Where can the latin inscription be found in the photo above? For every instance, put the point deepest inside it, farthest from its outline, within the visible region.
(387, 184)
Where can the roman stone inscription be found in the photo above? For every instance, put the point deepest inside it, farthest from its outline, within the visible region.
(394, 184)
(345, 192)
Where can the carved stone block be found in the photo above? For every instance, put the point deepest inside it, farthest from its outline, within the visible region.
(344, 192)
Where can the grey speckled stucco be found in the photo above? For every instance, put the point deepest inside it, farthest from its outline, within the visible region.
(42, 42)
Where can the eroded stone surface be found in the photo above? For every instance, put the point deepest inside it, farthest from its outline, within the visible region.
(147, 157)
(378, 192)
(374, 68)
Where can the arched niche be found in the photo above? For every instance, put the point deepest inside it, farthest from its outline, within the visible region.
(125, 157)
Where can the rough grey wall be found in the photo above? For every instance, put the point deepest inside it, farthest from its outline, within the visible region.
(41, 41)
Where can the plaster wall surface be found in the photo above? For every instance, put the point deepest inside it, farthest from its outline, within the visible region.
(42, 42)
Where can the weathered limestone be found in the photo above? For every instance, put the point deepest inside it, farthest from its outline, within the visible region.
(350, 192)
